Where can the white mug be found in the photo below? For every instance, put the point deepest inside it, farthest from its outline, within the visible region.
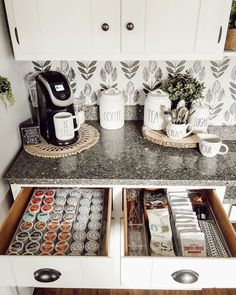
(178, 131)
(210, 145)
(64, 125)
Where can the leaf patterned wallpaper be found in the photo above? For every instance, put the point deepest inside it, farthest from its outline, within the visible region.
(136, 78)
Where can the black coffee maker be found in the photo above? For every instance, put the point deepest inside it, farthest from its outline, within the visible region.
(54, 95)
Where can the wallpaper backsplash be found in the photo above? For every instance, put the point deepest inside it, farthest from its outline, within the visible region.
(136, 78)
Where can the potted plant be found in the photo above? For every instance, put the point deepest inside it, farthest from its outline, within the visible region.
(6, 92)
(230, 43)
(183, 86)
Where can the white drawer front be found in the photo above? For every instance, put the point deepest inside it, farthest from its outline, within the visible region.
(6, 272)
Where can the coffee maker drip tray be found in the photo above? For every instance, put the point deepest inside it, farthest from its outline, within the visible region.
(89, 136)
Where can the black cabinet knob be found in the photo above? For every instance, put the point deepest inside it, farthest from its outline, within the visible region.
(130, 26)
(47, 275)
(105, 27)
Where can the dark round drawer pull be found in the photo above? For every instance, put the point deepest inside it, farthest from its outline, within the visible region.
(130, 26)
(46, 275)
(185, 276)
(105, 27)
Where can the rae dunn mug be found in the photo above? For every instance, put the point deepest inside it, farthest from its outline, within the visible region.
(64, 125)
(210, 145)
(178, 131)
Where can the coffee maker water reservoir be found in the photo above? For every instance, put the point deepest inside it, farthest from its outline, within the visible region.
(54, 96)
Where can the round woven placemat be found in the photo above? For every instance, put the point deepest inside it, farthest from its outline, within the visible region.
(88, 136)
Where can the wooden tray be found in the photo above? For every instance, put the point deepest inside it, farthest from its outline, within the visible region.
(160, 137)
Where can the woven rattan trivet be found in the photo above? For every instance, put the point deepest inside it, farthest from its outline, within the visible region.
(88, 136)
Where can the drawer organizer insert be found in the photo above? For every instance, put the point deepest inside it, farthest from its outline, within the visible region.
(61, 221)
(219, 236)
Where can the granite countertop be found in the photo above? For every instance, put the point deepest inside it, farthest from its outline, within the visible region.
(124, 157)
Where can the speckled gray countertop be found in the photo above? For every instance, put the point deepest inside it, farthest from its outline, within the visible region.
(124, 157)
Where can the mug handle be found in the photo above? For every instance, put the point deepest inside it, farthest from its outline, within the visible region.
(226, 149)
(77, 121)
(188, 133)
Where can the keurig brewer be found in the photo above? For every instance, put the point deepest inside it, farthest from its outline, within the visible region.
(55, 98)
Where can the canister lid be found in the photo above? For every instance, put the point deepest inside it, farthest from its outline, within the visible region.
(112, 94)
(158, 93)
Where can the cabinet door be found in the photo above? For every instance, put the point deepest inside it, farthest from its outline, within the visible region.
(51, 29)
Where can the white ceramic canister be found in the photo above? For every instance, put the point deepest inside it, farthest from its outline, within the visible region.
(111, 108)
(153, 109)
(200, 117)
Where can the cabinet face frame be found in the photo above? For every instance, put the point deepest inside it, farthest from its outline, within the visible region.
(150, 272)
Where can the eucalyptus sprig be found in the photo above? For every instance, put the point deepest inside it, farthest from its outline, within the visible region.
(183, 86)
(6, 92)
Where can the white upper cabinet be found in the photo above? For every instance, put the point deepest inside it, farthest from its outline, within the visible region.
(118, 29)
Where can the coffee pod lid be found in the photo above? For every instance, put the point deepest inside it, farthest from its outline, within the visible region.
(46, 208)
(39, 193)
(58, 208)
(16, 247)
(22, 236)
(32, 247)
(47, 246)
(36, 201)
(35, 236)
(34, 208)
(53, 225)
(26, 226)
(66, 225)
(77, 247)
(49, 200)
(50, 236)
(61, 246)
(43, 216)
(91, 246)
(79, 236)
(40, 225)
(29, 217)
(49, 193)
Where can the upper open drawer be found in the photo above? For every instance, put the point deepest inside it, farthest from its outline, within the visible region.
(157, 272)
(61, 270)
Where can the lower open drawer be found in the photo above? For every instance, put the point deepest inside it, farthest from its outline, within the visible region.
(157, 272)
(55, 271)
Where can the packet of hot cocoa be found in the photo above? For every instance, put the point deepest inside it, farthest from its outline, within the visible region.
(160, 231)
(193, 244)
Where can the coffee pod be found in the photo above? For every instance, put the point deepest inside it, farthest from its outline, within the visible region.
(28, 226)
(69, 216)
(91, 246)
(60, 201)
(34, 208)
(39, 193)
(74, 254)
(43, 217)
(77, 247)
(61, 193)
(61, 246)
(49, 193)
(28, 254)
(12, 253)
(65, 225)
(50, 236)
(75, 194)
(58, 208)
(90, 254)
(94, 225)
(93, 235)
(84, 210)
(59, 254)
(97, 200)
(56, 217)
(78, 226)
(83, 218)
(53, 225)
(72, 201)
(47, 247)
(96, 208)
(45, 254)
(22, 236)
(79, 236)
(85, 202)
(64, 236)
(70, 208)
(35, 236)
(16, 247)
(29, 217)
(96, 216)
(32, 247)
(87, 195)
(48, 200)
(46, 208)
(36, 201)
(40, 226)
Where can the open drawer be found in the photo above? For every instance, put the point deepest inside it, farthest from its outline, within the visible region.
(152, 272)
(55, 271)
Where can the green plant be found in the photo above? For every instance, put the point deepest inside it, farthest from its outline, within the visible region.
(232, 18)
(183, 86)
(6, 94)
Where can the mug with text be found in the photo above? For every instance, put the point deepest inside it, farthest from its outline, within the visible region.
(210, 145)
(178, 131)
(64, 125)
